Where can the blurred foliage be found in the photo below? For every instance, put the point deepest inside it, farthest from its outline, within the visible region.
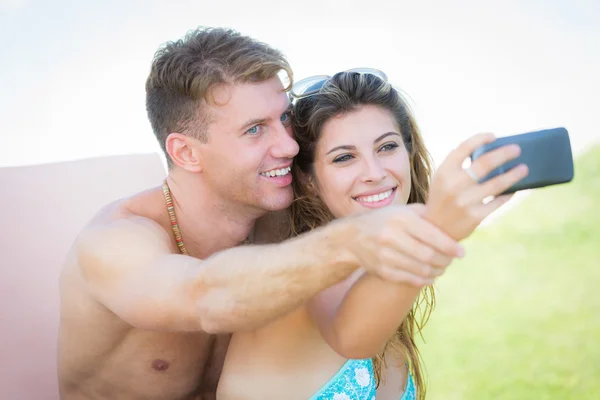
(519, 316)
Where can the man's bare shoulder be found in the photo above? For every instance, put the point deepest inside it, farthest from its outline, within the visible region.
(119, 238)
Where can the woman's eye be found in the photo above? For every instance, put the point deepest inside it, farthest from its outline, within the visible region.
(253, 130)
(343, 158)
(389, 146)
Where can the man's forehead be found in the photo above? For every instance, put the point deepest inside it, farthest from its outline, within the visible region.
(249, 100)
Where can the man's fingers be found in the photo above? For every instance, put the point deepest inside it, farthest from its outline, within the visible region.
(399, 259)
(418, 208)
(399, 276)
(432, 237)
(422, 250)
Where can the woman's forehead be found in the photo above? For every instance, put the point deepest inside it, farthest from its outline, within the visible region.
(362, 125)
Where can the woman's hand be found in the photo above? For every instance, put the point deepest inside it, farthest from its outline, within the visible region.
(455, 201)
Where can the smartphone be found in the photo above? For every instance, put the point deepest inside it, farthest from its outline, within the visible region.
(547, 154)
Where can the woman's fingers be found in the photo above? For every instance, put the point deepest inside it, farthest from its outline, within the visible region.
(496, 185)
(451, 176)
(486, 209)
(494, 159)
(467, 147)
(456, 197)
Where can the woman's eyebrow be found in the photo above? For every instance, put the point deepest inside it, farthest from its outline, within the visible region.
(343, 147)
(380, 138)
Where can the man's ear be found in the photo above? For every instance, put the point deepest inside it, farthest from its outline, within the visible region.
(184, 151)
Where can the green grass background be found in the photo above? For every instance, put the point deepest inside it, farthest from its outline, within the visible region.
(519, 317)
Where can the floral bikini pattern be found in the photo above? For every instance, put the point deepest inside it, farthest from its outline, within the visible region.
(410, 391)
(356, 381)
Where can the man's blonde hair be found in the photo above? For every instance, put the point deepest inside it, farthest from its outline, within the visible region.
(183, 73)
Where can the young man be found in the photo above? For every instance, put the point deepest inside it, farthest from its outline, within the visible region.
(155, 283)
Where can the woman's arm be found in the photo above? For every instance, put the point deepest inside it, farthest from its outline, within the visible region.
(358, 316)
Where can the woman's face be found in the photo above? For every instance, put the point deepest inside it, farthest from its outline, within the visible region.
(361, 162)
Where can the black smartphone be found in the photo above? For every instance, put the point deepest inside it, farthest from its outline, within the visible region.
(547, 154)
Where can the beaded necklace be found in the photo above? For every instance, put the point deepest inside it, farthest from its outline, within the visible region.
(173, 218)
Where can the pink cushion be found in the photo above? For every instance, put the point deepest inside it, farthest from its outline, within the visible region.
(42, 208)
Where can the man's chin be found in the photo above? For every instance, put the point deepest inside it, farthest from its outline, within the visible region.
(278, 202)
(277, 206)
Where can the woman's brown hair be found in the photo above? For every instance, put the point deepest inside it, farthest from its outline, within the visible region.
(344, 93)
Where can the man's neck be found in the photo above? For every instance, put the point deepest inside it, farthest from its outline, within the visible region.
(207, 224)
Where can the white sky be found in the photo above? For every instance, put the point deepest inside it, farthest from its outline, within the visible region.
(72, 73)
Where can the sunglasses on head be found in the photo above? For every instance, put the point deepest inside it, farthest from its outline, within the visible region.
(312, 85)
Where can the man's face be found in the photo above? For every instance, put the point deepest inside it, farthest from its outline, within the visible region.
(250, 148)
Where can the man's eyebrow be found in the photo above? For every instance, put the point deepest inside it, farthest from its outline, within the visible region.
(252, 122)
(258, 121)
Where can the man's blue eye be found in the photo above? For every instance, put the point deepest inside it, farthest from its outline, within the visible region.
(253, 130)
(285, 117)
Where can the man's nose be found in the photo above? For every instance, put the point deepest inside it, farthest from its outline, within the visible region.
(285, 146)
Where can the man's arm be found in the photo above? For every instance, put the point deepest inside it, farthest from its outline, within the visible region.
(129, 268)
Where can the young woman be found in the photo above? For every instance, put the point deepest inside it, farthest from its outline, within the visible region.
(361, 150)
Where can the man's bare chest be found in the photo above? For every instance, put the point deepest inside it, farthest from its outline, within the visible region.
(164, 365)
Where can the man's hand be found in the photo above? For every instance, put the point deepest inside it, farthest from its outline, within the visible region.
(455, 203)
(399, 245)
